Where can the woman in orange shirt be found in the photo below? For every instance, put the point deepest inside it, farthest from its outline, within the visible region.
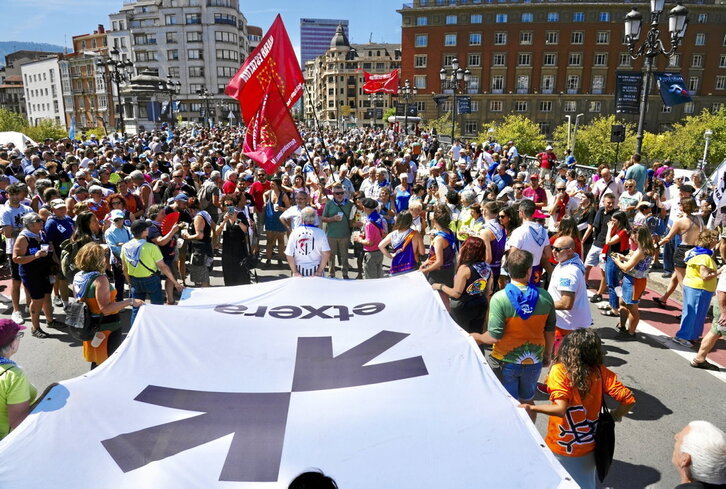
(577, 384)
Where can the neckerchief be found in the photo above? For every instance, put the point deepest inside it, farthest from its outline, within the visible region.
(81, 282)
(132, 251)
(575, 260)
(694, 252)
(206, 216)
(398, 237)
(538, 232)
(493, 226)
(384, 183)
(29, 234)
(7, 361)
(375, 218)
(450, 238)
(524, 301)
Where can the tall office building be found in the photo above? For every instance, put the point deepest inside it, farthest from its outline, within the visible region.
(315, 36)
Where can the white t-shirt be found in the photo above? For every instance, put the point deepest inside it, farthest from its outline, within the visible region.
(13, 217)
(293, 214)
(721, 285)
(307, 244)
(568, 277)
(531, 237)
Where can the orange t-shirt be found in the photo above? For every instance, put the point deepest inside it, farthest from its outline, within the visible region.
(574, 434)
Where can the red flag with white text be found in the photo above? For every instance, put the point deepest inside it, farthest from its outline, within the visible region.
(271, 135)
(386, 83)
(273, 60)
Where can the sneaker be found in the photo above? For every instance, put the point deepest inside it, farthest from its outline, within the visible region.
(706, 365)
(623, 335)
(682, 342)
(17, 316)
(602, 307)
(57, 301)
(596, 298)
(667, 275)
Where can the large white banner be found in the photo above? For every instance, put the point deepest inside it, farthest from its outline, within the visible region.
(246, 387)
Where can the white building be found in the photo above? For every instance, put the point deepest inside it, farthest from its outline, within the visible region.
(43, 92)
(200, 43)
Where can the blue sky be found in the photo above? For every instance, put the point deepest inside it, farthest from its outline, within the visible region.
(56, 21)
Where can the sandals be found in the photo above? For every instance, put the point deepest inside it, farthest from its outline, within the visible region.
(660, 302)
(705, 365)
(610, 313)
(39, 333)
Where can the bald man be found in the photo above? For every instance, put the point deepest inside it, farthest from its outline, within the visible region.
(607, 185)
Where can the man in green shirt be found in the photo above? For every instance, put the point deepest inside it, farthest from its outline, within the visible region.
(337, 216)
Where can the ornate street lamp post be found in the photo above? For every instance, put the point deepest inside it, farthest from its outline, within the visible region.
(120, 73)
(407, 92)
(452, 81)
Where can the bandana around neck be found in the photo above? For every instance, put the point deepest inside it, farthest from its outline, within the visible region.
(524, 301)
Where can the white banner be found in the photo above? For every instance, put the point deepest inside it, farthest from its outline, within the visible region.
(247, 387)
(718, 180)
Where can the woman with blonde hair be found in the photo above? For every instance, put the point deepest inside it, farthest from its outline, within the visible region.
(91, 285)
(635, 268)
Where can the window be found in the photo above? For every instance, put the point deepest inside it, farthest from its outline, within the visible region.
(499, 59)
(194, 54)
(500, 38)
(420, 105)
(473, 85)
(527, 17)
(448, 58)
(595, 106)
(419, 81)
(500, 18)
(601, 59)
(172, 55)
(702, 18)
(700, 39)
(497, 84)
(578, 17)
(553, 17)
(195, 87)
(720, 82)
(549, 59)
(598, 84)
(573, 83)
(520, 106)
(422, 40)
(145, 56)
(604, 17)
(697, 61)
(548, 84)
(171, 38)
(423, 20)
(693, 83)
(689, 108)
(449, 39)
(552, 37)
(624, 59)
(476, 19)
(451, 19)
(420, 61)
(470, 127)
(226, 72)
(193, 19)
(664, 109)
(474, 106)
(475, 39)
(194, 36)
(495, 105)
(545, 106)
(578, 37)
(474, 60)
(173, 72)
(196, 71)
(674, 60)
(603, 37)
(225, 19)
(716, 107)
(575, 59)
(544, 127)
(570, 106)
(525, 37)
(722, 61)
(522, 83)
(222, 36)
(170, 19)
(227, 54)
(524, 59)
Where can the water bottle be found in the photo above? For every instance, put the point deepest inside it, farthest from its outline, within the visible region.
(97, 339)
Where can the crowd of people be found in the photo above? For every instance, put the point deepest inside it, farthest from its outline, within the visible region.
(509, 245)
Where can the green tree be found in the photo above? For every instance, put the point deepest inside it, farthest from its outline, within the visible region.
(518, 128)
(45, 128)
(11, 121)
(442, 125)
(687, 140)
(592, 142)
(388, 113)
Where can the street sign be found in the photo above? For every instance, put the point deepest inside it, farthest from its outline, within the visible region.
(401, 110)
(230, 116)
(464, 105)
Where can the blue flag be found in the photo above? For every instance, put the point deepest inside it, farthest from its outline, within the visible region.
(72, 130)
(169, 135)
(672, 88)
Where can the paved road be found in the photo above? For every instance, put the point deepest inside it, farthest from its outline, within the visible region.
(668, 391)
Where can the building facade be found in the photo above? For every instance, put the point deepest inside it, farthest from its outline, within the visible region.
(315, 36)
(254, 35)
(43, 91)
(547, 60)
(12, 94)
(200, 43)
(335, 82)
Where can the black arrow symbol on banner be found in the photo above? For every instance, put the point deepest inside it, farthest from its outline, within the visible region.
(316, 368)
(257, 420)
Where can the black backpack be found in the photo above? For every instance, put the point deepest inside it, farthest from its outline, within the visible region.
(81, 324)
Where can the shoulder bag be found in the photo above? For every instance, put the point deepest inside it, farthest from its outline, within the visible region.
(604, 437)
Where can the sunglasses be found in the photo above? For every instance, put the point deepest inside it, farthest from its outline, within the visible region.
(557, 250)
(628, 186)
(338, 193)
(117, 202)
(36, 221)
(560, 190)
(502, 216)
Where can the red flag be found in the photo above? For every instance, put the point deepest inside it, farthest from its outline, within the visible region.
(271, 134)
(273, 60)
(387, 83)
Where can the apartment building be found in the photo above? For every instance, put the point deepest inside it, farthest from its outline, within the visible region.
(43, 93)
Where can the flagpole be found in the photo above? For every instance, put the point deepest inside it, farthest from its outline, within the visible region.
(315, 116)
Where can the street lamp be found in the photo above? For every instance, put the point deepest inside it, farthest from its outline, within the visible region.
(172, 88)
(652, 46)
(574, 132)
(707, 136)
(373, 99)
(206, 96)
(407, 92)
(452, 81)
(120, 72)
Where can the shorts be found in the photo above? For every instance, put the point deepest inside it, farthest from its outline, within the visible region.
(37, 287)
(520, 380)
(14, 268)
(544, 172)
(680, 254)
(593, 256)
(171, 262)
(198, 274)
(633, 289)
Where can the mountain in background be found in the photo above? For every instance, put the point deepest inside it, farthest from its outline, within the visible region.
(7, 47)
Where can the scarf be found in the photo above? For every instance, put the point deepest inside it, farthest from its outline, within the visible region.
(376, 219)
(384, 183)
(398, 237)
(575, 260)
(694, 252)
(524, 301)
(496, 229)
(29, 234)
(206, 216)
(132, 251)
(450, 238)
(538, 232)
(82, 281)
(7, 361)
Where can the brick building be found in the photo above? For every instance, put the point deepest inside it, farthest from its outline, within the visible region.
(550, 59)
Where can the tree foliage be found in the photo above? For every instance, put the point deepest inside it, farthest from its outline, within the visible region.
(45, 128)
(518, 128)
(592, 142)
(11, 121)
(442, 125)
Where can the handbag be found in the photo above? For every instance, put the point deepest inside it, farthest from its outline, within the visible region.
(604, 437)
(81, 324)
